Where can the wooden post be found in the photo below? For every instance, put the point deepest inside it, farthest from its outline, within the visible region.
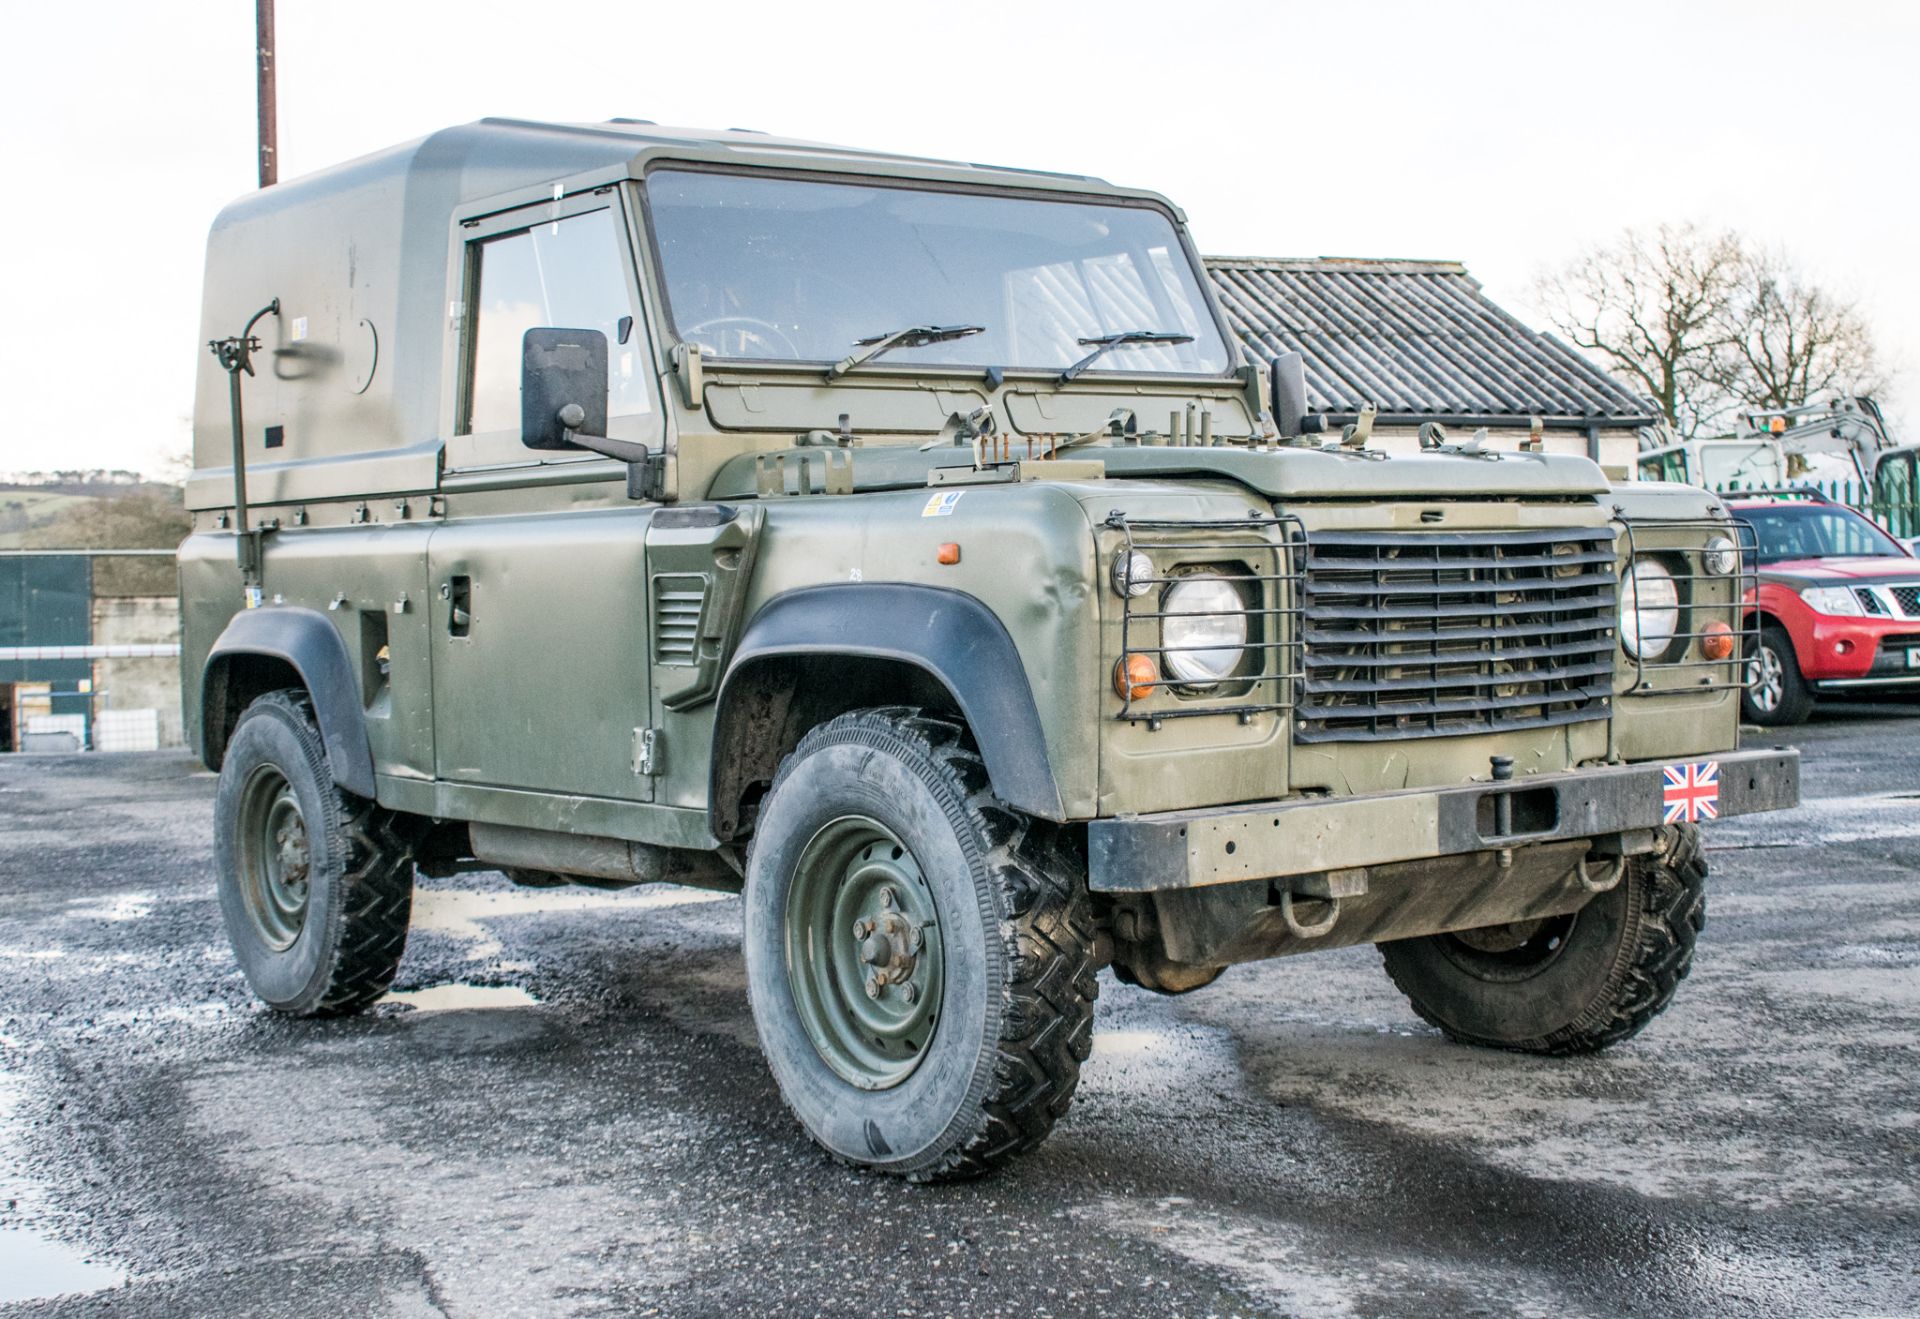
(269, 127)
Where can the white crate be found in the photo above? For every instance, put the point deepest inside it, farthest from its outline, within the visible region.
(72, 725)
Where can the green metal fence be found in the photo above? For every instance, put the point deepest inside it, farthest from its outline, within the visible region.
(1900, 516)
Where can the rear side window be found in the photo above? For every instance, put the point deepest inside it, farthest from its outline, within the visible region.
(566, 274)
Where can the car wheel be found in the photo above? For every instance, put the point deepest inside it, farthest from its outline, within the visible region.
(1775, 693)
(1566, 984)
(920, 957)
(315, 884)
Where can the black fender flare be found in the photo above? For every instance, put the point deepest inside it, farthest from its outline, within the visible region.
(305, 640)
(948, 634)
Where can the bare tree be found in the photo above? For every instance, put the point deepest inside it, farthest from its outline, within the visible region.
(1707, 324)
(1652, 307)
(1788, 340)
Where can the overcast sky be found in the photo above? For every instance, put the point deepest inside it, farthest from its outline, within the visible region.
(1506, 136)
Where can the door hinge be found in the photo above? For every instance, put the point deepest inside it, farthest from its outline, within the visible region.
(646, 752)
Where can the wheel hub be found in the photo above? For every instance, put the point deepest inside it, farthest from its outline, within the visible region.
(1767, 679)
(863, 952)
(276, 858)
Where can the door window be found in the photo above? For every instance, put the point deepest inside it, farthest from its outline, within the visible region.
(567, 274)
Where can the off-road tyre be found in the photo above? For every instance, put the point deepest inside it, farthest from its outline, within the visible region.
(1771, 659)
(359, 871)
(1016, 938)
(1616, 966)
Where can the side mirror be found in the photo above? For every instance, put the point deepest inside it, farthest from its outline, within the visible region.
(563, 402)
(1289, 372)
(562, 369)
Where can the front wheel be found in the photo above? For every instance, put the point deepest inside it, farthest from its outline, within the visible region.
(1775, 694)
(919, 957)
(1566, 984)
(316, 885)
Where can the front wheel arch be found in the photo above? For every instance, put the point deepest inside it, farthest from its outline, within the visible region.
(942, 648)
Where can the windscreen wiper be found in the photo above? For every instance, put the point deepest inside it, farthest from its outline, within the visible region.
(914, 336)
(1106, 343)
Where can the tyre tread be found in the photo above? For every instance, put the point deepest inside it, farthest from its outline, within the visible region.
(376, 882)
(1043, 916)
(1653, 958)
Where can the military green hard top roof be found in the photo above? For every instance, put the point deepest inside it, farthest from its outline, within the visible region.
(496, 157)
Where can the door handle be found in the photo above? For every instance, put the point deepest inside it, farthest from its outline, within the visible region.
(458, 593)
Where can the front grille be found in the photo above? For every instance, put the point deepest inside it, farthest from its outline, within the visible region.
(1435, 634)
(1907, 596)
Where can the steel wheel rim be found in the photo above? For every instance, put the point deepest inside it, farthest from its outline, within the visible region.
(1504, 954)
(1767, 683)
(275, 858)
(864, 952)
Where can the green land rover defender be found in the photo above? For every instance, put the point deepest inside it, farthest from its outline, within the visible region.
(907, 546)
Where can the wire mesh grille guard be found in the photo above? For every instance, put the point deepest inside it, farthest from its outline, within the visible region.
(1432, 634)
(1710, 603)
(1260, 556)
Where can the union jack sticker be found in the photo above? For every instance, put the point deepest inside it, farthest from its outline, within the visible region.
(1692, 792)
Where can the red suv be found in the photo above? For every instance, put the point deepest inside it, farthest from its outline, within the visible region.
(1838, 604)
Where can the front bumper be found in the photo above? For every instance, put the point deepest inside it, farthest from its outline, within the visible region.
(1842, 650)
(1617, 804)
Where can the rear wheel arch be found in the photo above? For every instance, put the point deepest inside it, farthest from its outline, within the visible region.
(264, 650)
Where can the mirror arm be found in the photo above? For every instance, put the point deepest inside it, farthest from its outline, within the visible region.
(624, 450)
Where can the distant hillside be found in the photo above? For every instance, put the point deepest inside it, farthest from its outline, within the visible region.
(99, 511)
(93, 483)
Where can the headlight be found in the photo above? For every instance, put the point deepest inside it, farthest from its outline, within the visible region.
(1833, 600)
(1649, 609)
(1204, 632)
(1132, 573)
(1721, 556)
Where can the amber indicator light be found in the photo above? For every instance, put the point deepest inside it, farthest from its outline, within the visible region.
(1716, 641)
(1134, 676)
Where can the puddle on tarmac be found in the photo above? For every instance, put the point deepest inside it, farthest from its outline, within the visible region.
(461, 913)
(117, 907)
(1126, 1043)
(461, 998)
(33, 1268)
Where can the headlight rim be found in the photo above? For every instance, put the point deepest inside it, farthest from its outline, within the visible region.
(1632, 635)
(1721, 550)
(1174, 662)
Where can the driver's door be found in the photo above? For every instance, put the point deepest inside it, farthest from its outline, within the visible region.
(537, 591)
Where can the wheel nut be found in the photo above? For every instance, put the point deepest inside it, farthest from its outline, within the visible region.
(873, 987)
(862, 928)
(886, 897)
(909, 992)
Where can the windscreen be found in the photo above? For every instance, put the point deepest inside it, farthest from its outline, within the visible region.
(1816, 531)
(781, 269)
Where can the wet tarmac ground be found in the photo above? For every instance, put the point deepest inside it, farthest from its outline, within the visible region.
(562, 1110)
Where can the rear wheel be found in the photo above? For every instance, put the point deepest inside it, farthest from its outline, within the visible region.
(1566, 984)
(920, 958)
(1775, 693)
(316, 885)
